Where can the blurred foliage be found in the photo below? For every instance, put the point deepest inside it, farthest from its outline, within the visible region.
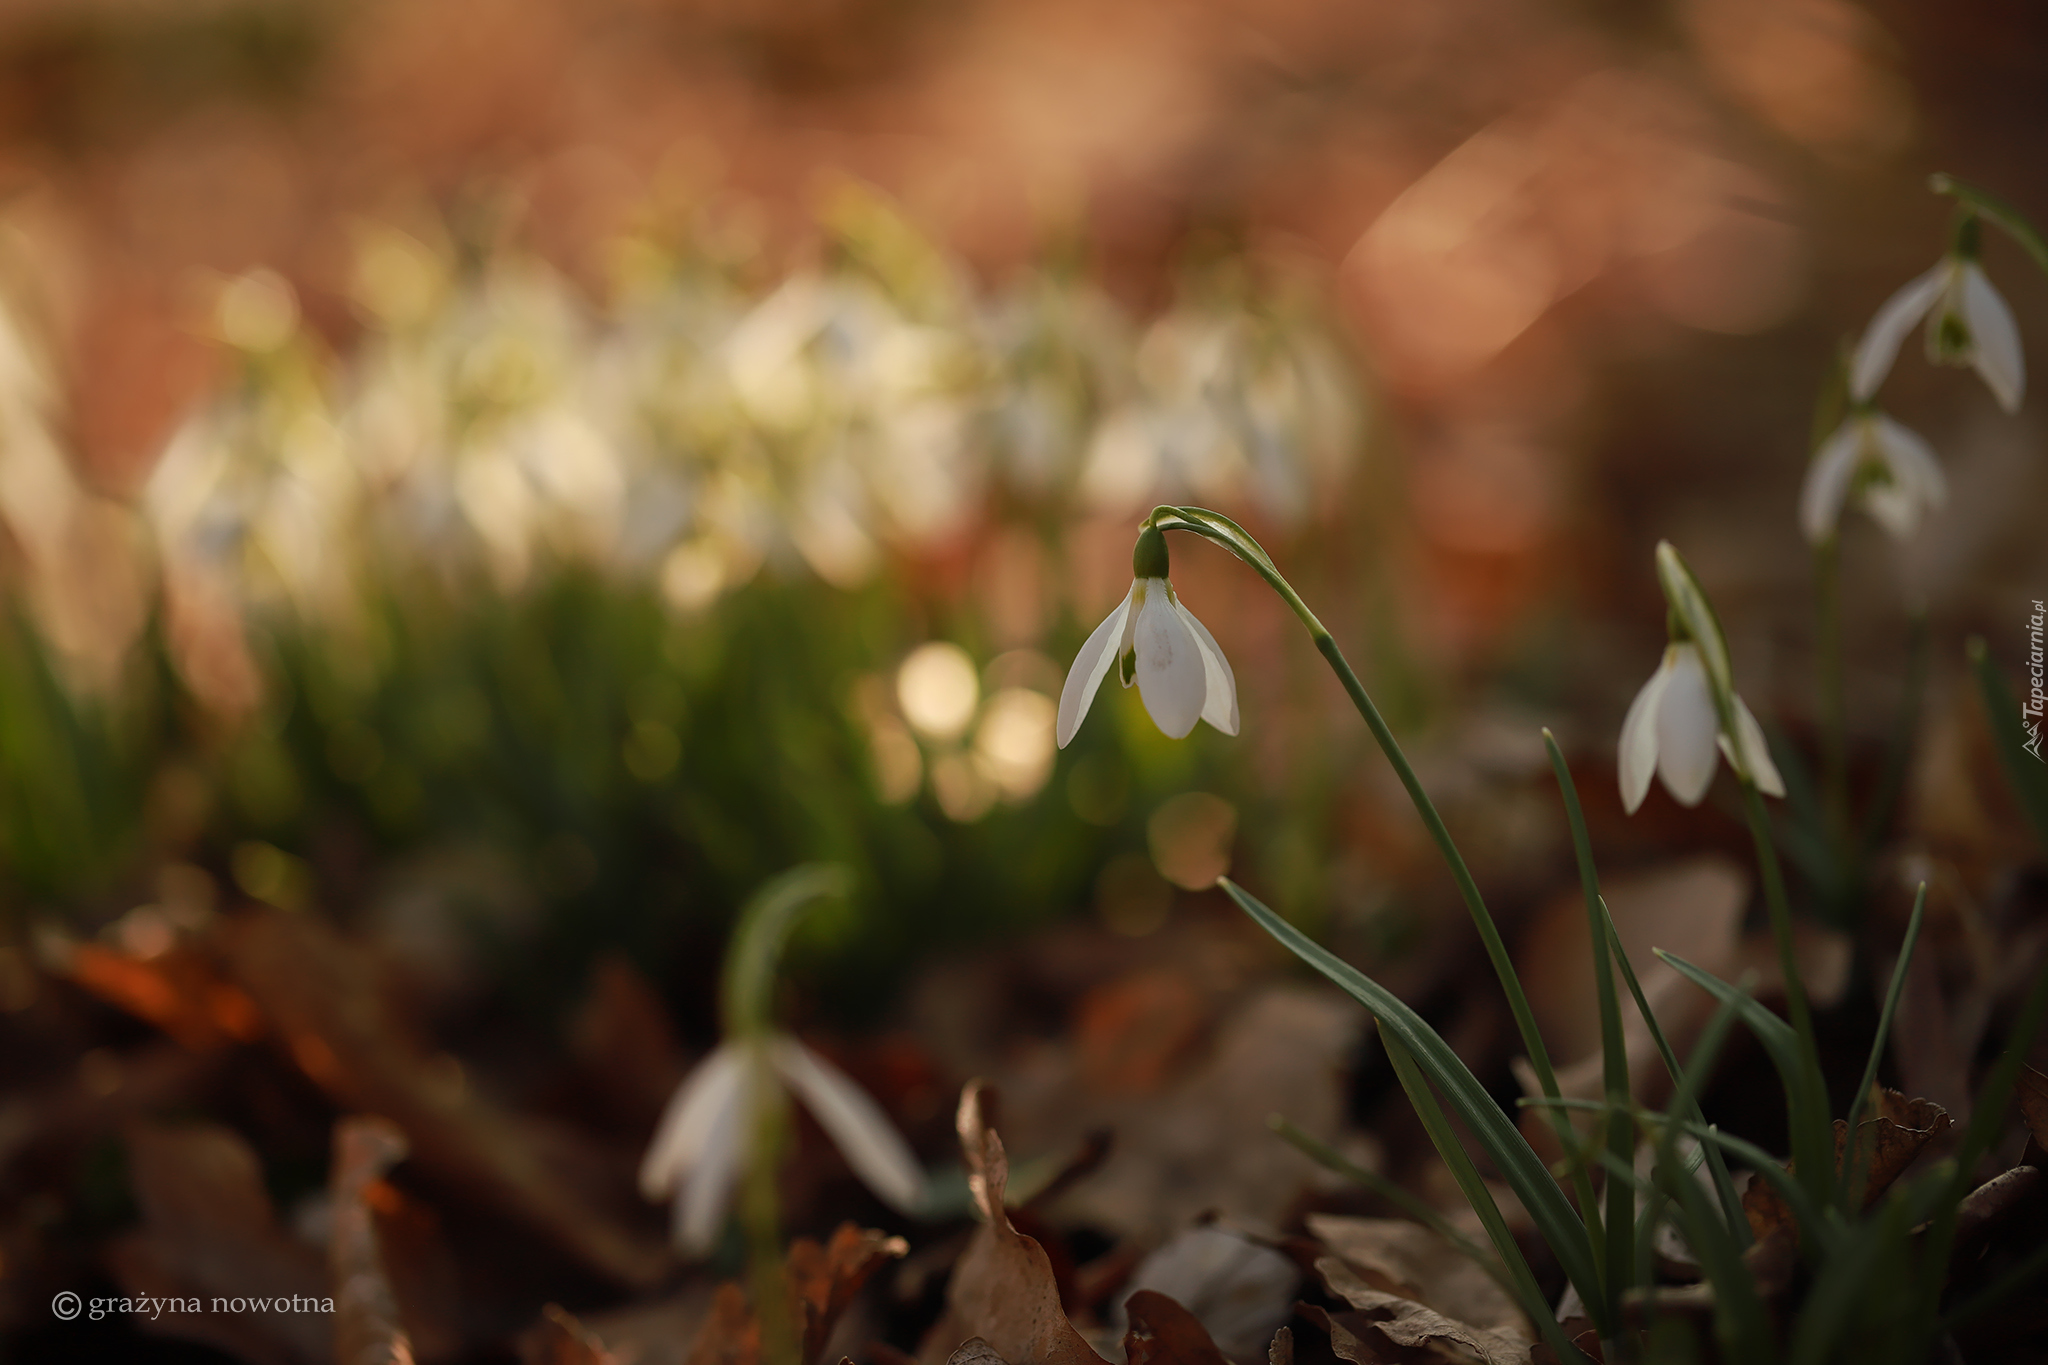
(530, 629)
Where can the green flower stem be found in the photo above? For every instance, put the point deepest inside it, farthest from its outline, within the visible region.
(760, 1212)
(748, 1000)
(1834, 708)
(1812, 1143)
(1877, 818)
(1232, 537)
(2010, 219)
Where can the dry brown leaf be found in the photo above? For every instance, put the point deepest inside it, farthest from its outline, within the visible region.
(1410, 1260)
(561, 1340)
(209, 1229)
(1355, 1337)
(366, 1326)
(178, 990)
(1164, 1333)
(326, 1004)
(2033, 1098)
(824, 1279)
(1888, 1141)
(1002, 1290)
(1406, 1323)
(1994, 1201)
(730, 1336)
(1201, 1145)
(1130, 1033)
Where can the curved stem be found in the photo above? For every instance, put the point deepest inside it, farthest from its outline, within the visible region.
(1998, 211)
(1223, 531)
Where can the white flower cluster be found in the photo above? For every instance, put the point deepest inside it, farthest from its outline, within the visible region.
(1872, 459)
(494, 420)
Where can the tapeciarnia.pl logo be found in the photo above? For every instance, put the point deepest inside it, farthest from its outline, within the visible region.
(2037, 696)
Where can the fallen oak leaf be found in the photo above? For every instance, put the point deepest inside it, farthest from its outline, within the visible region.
(2032, 1090)
(1414, 1262)
(1887, 1143)
(1407, 1323)
(824, 1279)
(730, 1336)
(1002, 1290)
(975, 1351)
(1355, 1337)
(1164, 1333)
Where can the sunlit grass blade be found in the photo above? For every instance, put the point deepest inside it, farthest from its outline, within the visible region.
(1724, 1184)
(2009, 739)
(1807, 1120)
(1610, 1242)
(1846, 1194)
(1519, 1166)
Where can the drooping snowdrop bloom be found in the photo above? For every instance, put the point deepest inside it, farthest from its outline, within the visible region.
(1674, 725)
(1888, 469)
(1967, 324)
(703, 1144)
(1155, 642)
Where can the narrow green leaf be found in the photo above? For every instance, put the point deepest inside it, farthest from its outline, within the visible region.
(1724, 1184)
(1806, 1108)
(1470, 1183)
(1847, 1197)
(1523, 1170)
(1323, 1154)
(2023, 769)
(1619, 1255)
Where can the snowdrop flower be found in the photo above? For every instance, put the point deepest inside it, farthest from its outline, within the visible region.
(1967, 324)
(1157, 643)
(701, 1147)
(1674, 725)
(1888, 469)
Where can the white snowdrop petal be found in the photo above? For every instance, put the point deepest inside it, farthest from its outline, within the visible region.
(1171, 675)
(1639, 738)
(1686, 729)
(872, 1146)
(1756, 753)
(1219, 705)
(1895, 509)
(1827, 481)
(1091, 666)
(1910, 459)
(708, 1188)
(1879, 346)
(686, 1125)
(1994, 339)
